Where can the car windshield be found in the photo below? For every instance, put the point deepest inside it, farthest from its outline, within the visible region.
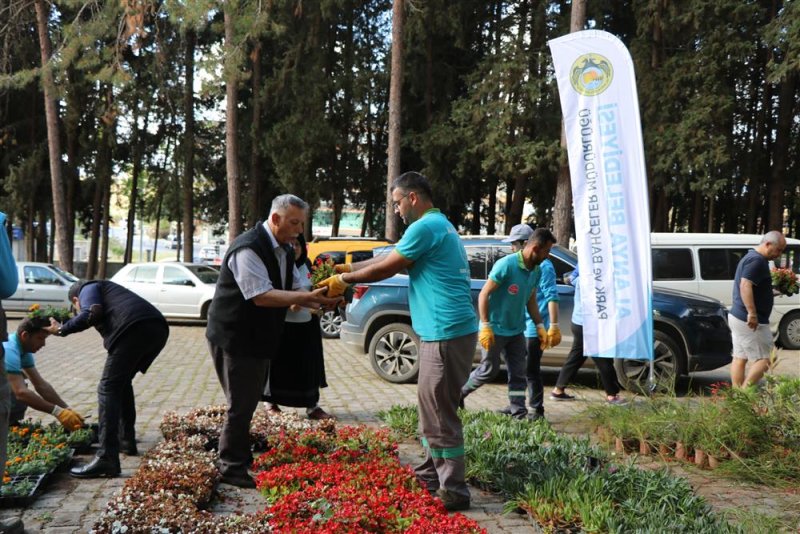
(66, 274)
(207, 275)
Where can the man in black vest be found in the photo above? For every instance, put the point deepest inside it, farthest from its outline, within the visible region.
(245, 323)
(134, 332)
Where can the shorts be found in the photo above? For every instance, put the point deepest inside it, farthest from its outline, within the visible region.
(750, 344)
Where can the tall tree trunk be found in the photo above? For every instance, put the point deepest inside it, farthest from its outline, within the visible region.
(780, 153)
(256, 175)
(103, 271)
(138, 151)
(72, 127)
(562, 211)
(231, 143)
(187, 184)
(41, 235)
(53, 140)
(102, 183)
(395, 107)
(697, 212)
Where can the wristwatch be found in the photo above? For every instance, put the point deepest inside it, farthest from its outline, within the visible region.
(59, 333)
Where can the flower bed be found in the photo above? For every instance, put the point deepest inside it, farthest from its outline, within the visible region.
(749, 434)
(567, 484)
(34, 452)
(315, 478)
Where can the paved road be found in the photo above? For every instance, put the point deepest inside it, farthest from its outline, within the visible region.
(182, 378)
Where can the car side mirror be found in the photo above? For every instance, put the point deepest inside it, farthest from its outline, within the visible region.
(188, 283)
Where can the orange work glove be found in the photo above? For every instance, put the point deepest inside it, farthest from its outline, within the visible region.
(486, 336)
(68, 418)
(335, 284)
(553, 335)
(541, 333)
(343, 268)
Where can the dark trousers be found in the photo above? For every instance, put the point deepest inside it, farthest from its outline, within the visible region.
(533, 375)
(134, 351)
(242, 379)
(575, 360)
(443, 367)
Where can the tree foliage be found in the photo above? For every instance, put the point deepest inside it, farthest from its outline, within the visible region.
(717, 82)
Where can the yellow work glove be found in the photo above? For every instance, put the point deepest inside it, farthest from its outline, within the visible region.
(486, 336)
(335, 284)
(553, 335)
(69, 419)
(541, 333)
(343, 268)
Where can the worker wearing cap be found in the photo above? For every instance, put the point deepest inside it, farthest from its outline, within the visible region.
(510, 289)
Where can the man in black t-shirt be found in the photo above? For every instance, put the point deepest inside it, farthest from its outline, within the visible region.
(752, 306)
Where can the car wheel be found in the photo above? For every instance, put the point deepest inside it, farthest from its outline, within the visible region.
(204, 311)
(668, 365)
(330, 324)
(394, 353)
(789, 331)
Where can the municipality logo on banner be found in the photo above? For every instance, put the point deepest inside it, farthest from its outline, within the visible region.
(597, 89)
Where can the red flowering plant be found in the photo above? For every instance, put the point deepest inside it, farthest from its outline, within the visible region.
(321, 269)
(785, 281)
(350, 481)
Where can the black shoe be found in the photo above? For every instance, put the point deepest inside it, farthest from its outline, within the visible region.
(128, 447)
(453, 502)
(12, 525)
(535, 416)
(99, 467)
(519, 414)
(240, 480)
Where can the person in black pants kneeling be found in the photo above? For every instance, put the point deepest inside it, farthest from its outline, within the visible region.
(134, 332)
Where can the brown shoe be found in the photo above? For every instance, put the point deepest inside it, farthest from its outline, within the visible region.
(318, 414)
(273, 408)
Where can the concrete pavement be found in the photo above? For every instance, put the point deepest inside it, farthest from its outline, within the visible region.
(183, 377)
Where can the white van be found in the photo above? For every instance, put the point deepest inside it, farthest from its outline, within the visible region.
(706, 264)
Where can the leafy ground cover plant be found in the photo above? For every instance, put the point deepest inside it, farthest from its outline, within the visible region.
(568, 484)
(754, 432)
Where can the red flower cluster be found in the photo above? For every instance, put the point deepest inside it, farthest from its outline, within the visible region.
(347, 482)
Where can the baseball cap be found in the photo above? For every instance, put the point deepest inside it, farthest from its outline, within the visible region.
(519, 232)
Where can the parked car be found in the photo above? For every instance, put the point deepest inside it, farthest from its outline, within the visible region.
(212, 254)
(340, 250)
(40, 283)
(706, 264)
(180, 290)
(691, 331)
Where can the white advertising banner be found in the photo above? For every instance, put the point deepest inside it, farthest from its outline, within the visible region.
(597, 88)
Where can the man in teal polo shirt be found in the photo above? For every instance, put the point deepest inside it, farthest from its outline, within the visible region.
(444, 318)
(510, 289)
(19, 365)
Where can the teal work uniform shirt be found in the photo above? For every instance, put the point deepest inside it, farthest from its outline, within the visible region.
(16, 359)
(439, 287)
(508, 303)
(546, 292)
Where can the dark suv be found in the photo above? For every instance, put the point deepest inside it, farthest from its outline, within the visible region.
(691, 331)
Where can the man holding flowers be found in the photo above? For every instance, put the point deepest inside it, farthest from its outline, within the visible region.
(246, 323)
(444, 318)
(752, 305)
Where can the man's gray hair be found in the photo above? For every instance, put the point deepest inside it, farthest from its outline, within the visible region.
(282, 202)
(773, 237)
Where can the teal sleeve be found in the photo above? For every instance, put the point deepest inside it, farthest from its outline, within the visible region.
(548, 292)
(415, 242)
